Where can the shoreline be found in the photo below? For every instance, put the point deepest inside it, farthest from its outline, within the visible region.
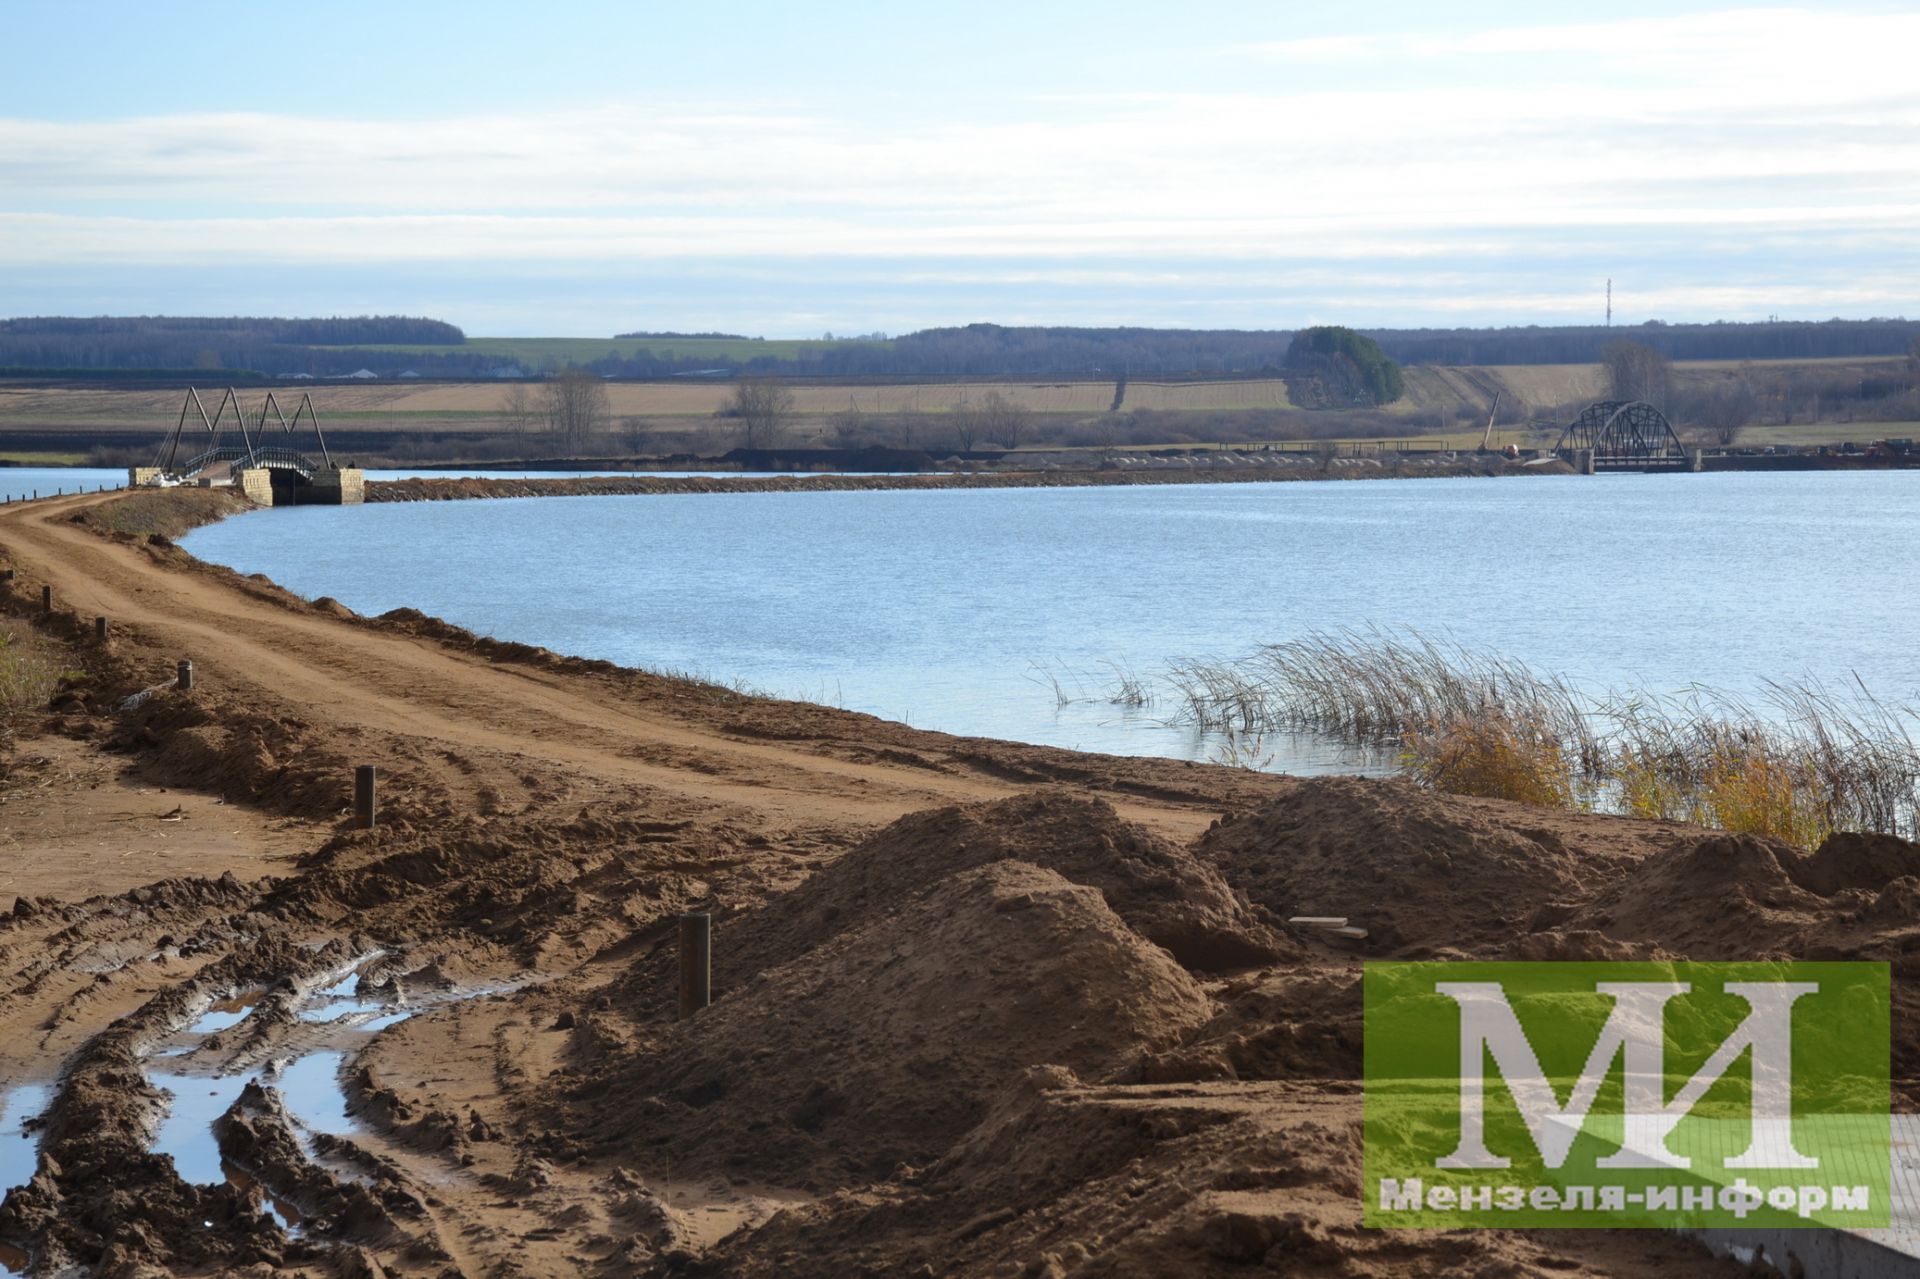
(641, 484)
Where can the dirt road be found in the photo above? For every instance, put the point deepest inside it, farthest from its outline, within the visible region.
(499, 719)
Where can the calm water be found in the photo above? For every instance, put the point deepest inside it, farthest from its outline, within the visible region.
(20, 481)
(932, 607)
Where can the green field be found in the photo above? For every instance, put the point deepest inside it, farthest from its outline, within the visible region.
(535, 352)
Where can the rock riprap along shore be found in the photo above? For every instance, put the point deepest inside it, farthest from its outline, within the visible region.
(1287, 467)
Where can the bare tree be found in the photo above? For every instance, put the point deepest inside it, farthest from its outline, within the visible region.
(1727, 410)
(637, 432)
(968, 421)
(849, 427)
(1637, 372)
(517, 409)
(575, 405)
(1006, 421)
(764, 406)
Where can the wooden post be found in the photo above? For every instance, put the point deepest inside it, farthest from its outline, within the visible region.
(183, 679)
(46, 599)
(100, 629)
(364, 814)
(696, 963)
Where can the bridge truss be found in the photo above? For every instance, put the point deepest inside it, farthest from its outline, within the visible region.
(252, 450)
(1629, 435)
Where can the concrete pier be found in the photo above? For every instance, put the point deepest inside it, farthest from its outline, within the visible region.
(278, 486)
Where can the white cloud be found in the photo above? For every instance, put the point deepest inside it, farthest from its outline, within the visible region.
(1754, 129)
(1804, 47)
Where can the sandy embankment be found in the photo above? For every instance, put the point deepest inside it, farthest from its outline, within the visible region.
(1275, 468)
(983, 1008)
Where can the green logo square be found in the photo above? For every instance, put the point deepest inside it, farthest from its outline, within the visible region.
(1627, 1094)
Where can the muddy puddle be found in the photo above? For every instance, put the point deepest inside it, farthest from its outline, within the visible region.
(19, 1151)
(307, 1066)
(194, 1102)
(284, 1214)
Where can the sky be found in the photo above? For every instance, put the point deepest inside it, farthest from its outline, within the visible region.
(582, 169)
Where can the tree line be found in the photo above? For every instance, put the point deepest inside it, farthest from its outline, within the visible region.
(263, 344)
(1721, 340)
(329, 347)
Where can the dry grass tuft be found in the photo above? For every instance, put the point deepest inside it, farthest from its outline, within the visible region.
(29, 671)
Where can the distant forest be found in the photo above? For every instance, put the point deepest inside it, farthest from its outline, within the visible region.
(1722, 340)
(730, 337)
(332, 347)
(990, 350)
(153, 342)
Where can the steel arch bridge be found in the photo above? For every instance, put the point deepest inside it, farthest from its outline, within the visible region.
(1629, 435)
(253, 450)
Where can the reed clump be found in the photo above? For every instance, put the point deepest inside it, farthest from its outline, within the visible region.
(1802, 762)
(1496, 758)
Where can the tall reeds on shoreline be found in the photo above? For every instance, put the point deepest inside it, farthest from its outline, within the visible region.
(1810, 762)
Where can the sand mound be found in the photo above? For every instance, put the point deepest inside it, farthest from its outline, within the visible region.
(1850, 860)
(1162, 892)
(1412, 867)
(1286, 1023)
(1718, 897)
(245, 756)
(883, 1045)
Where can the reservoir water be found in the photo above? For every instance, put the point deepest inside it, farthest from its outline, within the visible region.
(942, 608)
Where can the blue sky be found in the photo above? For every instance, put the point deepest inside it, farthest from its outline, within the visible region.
(584, 168)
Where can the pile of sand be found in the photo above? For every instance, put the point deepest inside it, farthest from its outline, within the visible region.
(880, 1046)
(201, 741)
(1746, 897)
(1162, 892)
(1413, 868)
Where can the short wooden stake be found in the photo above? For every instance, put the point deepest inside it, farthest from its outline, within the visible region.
(364, 814)
(46, 599)
(183, 678)
(100, 629)
(696, 963)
